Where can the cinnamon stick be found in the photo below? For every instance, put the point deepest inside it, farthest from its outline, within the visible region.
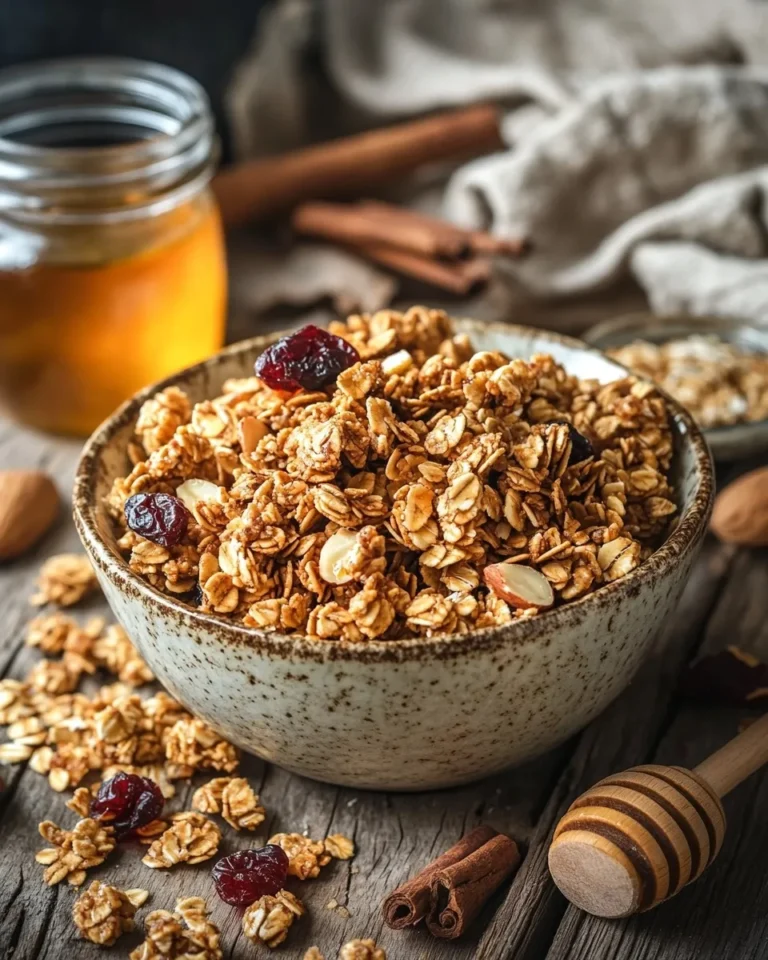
(460, 890)
(448, 239)
(410, 903)
(460, 278)
(451, 235)
(351, 166)
(369, 223)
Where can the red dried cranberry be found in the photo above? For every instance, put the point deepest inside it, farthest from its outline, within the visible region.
(158, 517)
(243, 877)
(305, 360)
(581, 448)
(127, 802)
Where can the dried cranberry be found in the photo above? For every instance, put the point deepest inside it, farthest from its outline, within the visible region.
(581, 448)
(243, 877)
(158, 517)
(127, 802)
(307, 359)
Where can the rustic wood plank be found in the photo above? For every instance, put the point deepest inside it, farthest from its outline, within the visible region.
(625, 734)
(725, 913)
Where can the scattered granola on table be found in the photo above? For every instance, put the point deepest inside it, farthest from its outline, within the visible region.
(64, 580)
(361, 950)
(718, 382)
(190, 838)
(371, 507)
(340, 847)
(73, 851)
(306, 857)
(187, 934)
(234, 799)
(103, 913)
(269, 919)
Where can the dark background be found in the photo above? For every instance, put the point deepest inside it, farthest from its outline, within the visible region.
(204, 38)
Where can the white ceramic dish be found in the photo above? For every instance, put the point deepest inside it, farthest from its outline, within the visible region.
(407, 714)
(735, 442)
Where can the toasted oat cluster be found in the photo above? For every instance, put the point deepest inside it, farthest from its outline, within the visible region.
(64, 580)
(103, 913)
(382, 505)
(719, 383)
(187, 934)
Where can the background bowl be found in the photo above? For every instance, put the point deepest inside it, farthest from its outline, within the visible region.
(405, 714)
(727, 443)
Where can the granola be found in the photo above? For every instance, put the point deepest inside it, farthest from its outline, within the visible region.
(340, 847)
(234, 799)
(306, 857)
(191, 838)
(64, 580)
(269, 919)
(369, 510)
(73, 851)
(192, 745)
(103, 913)
(187, 934)
(361, 950)
(718, 382)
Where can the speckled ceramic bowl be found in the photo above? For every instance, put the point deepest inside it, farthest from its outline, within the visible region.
(407, 714)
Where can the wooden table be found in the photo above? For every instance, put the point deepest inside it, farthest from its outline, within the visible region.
(723, 917)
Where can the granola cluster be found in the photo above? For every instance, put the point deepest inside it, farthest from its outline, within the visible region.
(234, 799)
(64, 580)
(353, 950)
(103, 913)
(719, 383)
(269, 919)
(306, 857)
(187, 934)
(73, 851)
(421, 466)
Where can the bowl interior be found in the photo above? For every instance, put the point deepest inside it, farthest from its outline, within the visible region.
(105, 457)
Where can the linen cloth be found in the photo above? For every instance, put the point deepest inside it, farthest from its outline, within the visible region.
(637, 132)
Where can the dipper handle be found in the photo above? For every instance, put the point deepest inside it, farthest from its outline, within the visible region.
(737, 760)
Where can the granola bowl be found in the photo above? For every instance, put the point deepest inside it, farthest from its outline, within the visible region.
(414, 664)
(707, 375)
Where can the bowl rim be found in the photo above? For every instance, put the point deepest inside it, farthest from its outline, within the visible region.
(689, 530)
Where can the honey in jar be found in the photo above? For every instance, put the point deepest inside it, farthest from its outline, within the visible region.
(112, 265)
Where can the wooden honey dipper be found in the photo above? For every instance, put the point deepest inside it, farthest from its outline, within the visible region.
(638, 837)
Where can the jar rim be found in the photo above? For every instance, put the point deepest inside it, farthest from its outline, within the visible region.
(160, 145)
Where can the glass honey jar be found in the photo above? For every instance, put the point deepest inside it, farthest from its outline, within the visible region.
(112, 263)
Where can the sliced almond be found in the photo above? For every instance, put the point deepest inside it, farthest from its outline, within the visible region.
(334, 554)
(250, 431)
(192, 492)
(519, 585)
(396, 363)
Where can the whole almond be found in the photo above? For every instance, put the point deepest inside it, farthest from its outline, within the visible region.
(29, 503)
(741, 510)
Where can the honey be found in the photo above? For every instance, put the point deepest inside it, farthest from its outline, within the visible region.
(112, 272)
